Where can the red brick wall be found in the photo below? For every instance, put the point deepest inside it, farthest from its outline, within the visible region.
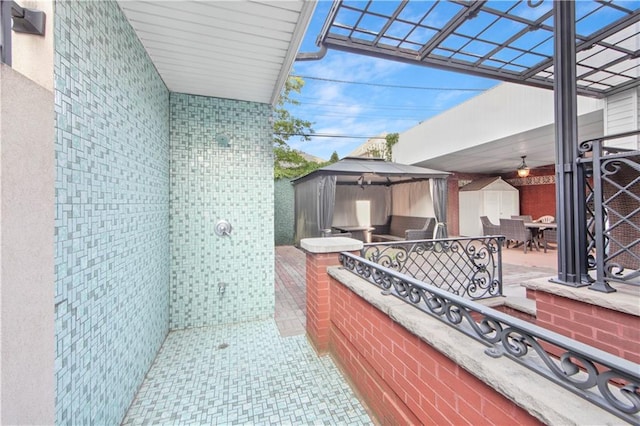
(402, 379)
(538, 200)
(516, 313)
(612, 331)
(318, 298)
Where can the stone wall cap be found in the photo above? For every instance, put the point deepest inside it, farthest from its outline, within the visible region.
(330, 244)
(521, 304)
(549, 403)
(626, 299)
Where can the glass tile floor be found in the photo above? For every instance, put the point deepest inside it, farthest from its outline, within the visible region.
(243, 374)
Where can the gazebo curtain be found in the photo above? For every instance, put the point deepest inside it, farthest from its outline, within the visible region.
(306, 207)
(359, 206)
(320, 204)
(326, 197)
(439, 194)
(412, 199)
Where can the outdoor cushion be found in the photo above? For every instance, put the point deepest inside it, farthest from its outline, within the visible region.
(405, 228)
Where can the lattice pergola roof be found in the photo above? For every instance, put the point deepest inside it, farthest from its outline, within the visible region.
(504, 40)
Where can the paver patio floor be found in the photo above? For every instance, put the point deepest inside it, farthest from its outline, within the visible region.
(290, 290)
(517, 267)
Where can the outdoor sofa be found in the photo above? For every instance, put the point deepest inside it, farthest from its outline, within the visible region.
(400, 228)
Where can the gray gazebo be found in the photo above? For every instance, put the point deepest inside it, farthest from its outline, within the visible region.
(359, 191)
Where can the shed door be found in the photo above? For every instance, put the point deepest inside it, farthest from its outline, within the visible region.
(509, 203)
(500, 204)
(493, 205)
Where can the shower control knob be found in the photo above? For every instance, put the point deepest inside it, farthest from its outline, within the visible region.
(223, 227)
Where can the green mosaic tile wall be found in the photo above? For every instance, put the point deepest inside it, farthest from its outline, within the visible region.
(112, 217)
(212, 181)
(284, 197)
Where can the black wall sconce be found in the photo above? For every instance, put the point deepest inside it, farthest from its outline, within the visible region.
(28, 21)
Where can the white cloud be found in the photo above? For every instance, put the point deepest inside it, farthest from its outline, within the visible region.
(350, 67)
(346, 109)
(326, 92)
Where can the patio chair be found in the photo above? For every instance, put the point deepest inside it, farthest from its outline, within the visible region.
(549, 236)
(514, 230)
(489, 228)
(525, 218)
(545, 219)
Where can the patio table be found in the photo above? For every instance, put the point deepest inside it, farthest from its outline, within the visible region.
(362, 233)
(537, 230)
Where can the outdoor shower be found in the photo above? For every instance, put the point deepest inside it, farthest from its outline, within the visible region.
(223, 228)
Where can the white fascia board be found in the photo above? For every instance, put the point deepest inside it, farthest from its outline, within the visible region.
(504, 110)
(304, 19)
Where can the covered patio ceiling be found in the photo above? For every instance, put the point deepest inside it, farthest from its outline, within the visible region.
(504, 40)
(510, 41)
(503, 155)
(227, 49)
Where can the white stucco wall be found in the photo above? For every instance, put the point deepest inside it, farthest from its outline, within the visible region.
(26, 251)
(27, 211)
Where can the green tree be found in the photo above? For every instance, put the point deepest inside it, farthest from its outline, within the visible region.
(286, 125)
(334, 158)
(289, 163)
(391, 139)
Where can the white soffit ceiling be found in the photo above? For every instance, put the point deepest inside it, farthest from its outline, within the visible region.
(228, 49)
(504, 155)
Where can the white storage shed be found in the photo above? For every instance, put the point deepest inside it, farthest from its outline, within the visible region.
(491, 197)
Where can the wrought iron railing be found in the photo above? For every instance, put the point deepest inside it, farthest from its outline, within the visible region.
(612, 188)
(468, 267)
(604, 379)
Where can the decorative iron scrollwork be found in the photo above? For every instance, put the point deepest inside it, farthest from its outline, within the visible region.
(465, 266)
(612, 188)
(585, 147)
(604, 379)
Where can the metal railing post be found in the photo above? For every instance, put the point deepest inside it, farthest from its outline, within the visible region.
(572, 258)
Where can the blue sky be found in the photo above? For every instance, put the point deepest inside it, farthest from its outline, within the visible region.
(364, 110)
